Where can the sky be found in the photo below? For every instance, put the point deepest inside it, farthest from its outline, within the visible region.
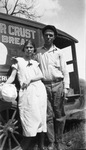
(68, 16)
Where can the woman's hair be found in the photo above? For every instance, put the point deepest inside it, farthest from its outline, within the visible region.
(31, 42)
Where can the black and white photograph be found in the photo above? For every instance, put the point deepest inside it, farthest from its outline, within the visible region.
(42, 75)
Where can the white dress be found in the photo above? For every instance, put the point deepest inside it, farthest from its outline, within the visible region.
(33, 100)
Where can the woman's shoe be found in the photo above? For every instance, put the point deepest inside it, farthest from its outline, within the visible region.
(36, 147)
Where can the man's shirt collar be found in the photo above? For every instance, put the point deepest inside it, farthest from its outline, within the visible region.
(52, 49)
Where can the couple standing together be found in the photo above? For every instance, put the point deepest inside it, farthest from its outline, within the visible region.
(41, 109)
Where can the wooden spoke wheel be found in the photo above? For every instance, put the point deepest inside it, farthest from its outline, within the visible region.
(10, 128)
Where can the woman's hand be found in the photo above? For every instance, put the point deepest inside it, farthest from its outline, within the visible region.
(24, 86)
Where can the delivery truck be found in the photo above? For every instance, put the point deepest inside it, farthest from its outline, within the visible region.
(14, 31)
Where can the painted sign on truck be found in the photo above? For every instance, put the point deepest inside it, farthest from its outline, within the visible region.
(13, 36)
(14, 32)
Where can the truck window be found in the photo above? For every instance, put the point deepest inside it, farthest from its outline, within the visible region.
(68, 57)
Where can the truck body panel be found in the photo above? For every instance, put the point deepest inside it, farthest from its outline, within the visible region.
(13, 33)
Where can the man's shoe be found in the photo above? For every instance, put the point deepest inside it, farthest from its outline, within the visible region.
(61, 146)
(51, 146)
(69, 144)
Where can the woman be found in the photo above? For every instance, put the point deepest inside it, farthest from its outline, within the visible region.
(32, 95)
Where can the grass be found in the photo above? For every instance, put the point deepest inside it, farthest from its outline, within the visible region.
(77, 136)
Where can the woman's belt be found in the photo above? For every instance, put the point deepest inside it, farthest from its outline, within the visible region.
(52, 81)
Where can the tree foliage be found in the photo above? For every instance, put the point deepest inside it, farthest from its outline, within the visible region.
(21, 8)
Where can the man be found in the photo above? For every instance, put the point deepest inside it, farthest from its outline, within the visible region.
(56, 80)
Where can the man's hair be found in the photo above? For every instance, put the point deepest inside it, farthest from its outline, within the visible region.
(51, 27)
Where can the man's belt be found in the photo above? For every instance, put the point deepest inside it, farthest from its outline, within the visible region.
(52, 81)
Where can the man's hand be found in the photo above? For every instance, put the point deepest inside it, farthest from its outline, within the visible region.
(1, 84)
(65, 93)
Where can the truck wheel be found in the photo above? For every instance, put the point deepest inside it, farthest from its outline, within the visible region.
(10, 131)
